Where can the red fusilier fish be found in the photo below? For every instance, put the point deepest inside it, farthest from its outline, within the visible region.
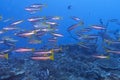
(43, 52)
(24, 50)
(51, 57)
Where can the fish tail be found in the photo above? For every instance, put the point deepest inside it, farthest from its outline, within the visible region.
(52, 51)
(34, 31)
(45, 5)
(52, 56)
(107, 50)
(108, 42)
(33, 49)
(6, 56)
(40, 9)
(108, 57)
(60, 48)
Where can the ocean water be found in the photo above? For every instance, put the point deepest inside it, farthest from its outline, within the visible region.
(59, 40)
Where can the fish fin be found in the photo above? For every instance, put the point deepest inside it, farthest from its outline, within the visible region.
(6, 56)
(44, 19)
(108, 42)
(45, 5)
(107, 50)
(52, 56)
(52, 51)
(40, 9)
(61, 18)
(39, 41)
(60, 48)
(108, 57)
(33, 49)
(34, 32)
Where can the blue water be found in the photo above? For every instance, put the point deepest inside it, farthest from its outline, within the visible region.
(89, 11)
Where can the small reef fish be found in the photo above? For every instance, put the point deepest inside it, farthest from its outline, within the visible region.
(10, 28)
(53, 18)
(57, 35)
(26, 34)
(38, 5)
(75, 18)
(35, 19)
(34, 41)
(6, 20)
(113, 51)
(20, 50)
(16, 23)
(98, 27)
(2, 31)
(101, 57)
(51, 23)
(43, 52)
(51, 57)
(75, 26)
(111, 42)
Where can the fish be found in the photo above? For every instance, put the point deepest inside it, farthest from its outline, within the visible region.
(34, 41)
(40, 25)
(43, 52)
(4, 56)
(26, 34)
(53, 18)
(21, 50)
(2, 31)
(36, 19)
(102, 57)
(10, 28)
(54, 39)
(89, 36)
(57, 49)
(97, 27)
(74, 26)
(6, 20)
(38, 5)
(35, 7)
(111, 42)
(113, 20)
(10, 39)
(7, 50)
(113, 51)
(51, 23)
(51, 57)
(69, 7)
(16, 22)
(2, 42)
(57, 35)
(75, 18)
(83, 45)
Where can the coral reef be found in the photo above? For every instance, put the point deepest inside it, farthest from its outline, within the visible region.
(70, 64)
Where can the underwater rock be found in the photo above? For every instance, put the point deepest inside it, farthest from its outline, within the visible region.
(111, 64)
(11, 74)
